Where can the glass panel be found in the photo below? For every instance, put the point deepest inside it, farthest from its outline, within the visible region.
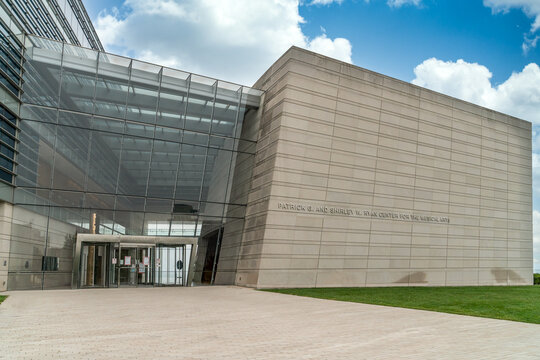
(251, 98)
(78, 78)
(143, 92)
(43, 59)
(190, 172)
(216, 175)
(163, 169)
(108, 125)
(139, 129)
(195, 138)
(170, 134)
(248, 109)
(67, 198)
(157, 224)
(74, 119)
(226, 109)
(135, 164)
(8, 100)
(101, 222)
(103, 162)
(222, 142)
(35, 154)
(7, 164)
(31, 196)
(73, 216)
(212, 209)
(158, 206)
(66, 215)
(11, 120)
(29, 112)
(200, 104)
(71, 158)
(129, 203)
(99, 201)
(129, 222)
(172, 98)
(6, 192)
(112, 86)
(184, 225)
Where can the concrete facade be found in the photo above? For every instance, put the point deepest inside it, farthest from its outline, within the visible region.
(363, 180)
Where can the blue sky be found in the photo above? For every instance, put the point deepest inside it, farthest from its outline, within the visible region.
(394, 40)
(483, 51)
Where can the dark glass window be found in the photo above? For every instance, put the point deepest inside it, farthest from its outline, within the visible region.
(4, 175)
(8, 164)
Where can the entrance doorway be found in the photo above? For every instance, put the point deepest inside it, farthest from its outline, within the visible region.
(136, 265)
(172, 264)
(133, 261)
(213, 241)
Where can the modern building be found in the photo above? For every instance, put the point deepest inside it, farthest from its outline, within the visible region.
(125, 173)
(62, 20)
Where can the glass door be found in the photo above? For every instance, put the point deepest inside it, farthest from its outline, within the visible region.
(136, 265)
(114, 257)
(145, 273)
(93, 265)
(127, 269)
(172, 264)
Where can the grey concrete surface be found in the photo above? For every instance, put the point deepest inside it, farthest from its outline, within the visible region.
(240, 323)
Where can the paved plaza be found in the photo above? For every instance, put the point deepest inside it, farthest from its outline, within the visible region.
(240, 323)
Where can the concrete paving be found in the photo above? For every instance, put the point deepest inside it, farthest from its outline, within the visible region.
(240, 323)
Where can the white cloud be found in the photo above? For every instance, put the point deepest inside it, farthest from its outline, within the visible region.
(400, 3)
(108, 25)
(536, 176)
(529, 43)
(339, 48)
(234, 40)
(519, 95)
(324, 2)
(530, 7)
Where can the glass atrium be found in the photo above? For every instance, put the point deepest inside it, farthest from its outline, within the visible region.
(115, 146)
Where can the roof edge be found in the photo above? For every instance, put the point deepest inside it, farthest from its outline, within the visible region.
(293, 48)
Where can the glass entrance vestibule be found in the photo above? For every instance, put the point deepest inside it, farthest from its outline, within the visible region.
(122, 260)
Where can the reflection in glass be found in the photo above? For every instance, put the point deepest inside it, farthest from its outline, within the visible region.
(111, 145)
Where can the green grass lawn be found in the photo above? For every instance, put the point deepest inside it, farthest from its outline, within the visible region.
(518, 303)
(2, 298)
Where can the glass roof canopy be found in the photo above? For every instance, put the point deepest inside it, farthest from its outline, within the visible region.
(134, 140)
(114, 67)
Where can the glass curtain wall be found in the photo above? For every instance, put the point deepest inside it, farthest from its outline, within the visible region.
(112, 145)
(11, 59)
(62, 20)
